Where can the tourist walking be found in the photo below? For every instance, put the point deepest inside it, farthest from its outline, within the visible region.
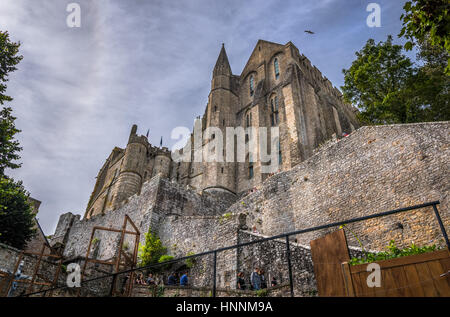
(184, 279)
(263, 278)
(241, 281)
(273, 282)
(255, 279)
(172, 279)
(150, 279)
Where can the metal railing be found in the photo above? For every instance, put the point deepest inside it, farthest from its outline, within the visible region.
(280, 236)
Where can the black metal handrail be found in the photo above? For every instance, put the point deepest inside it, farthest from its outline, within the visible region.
(284, 235)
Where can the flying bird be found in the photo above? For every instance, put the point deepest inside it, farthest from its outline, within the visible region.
(310, 32)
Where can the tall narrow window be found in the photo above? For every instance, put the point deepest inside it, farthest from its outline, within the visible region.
(276, 68)
(274, 111)
(252, 85)
(249, 119)
(250, 166)
(280, 157)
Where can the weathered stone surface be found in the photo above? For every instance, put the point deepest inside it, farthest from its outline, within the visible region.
(375, 169)
(372, 170)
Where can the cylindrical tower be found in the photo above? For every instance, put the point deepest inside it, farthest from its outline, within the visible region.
(131, 173)
(162, 163)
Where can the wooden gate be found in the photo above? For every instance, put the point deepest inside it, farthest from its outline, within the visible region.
(422, 275)
(328, 253)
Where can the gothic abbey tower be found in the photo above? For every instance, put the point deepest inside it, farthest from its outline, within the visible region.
(277, 88)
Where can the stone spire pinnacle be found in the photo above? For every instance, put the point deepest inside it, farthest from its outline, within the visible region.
(222, 65)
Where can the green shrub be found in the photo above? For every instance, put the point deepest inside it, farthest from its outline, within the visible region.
(190, 262)
(152, 250)
(160, 291)
(392, 252)
(165, 258)
(262, 292)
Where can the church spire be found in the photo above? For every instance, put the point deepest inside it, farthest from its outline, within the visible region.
(222, 65)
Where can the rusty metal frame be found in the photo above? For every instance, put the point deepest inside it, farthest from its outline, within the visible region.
(132, 262)
(33, 282)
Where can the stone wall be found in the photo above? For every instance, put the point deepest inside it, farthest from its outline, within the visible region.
(177, 291)
(374, 169)
(195, 234)
(8, 259)
(159, 199)
(271, 256)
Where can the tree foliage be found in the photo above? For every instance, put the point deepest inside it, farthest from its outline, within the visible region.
(153, 249)
(9, 147)
(376, 83)
(427, 20)
(16, 214)
(431, 84)
(388, 88)
(9, 58)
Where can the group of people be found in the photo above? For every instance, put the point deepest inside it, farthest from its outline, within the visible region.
(150, 280)
(173, 279)
(257, 280)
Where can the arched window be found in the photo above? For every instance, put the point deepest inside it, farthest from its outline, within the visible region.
(274, 111)
(252, 85)
(276, 68)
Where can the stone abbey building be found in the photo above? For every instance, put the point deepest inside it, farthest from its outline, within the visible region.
(278, 87)
(196, 207)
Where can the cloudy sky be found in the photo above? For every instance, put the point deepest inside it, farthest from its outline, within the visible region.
(78, 90)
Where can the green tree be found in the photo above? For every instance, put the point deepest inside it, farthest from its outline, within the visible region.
(427, 20)
(377, 83)
(16, 214)
(387, 88)
(9, 147)
(152, 250)
(430, 85)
